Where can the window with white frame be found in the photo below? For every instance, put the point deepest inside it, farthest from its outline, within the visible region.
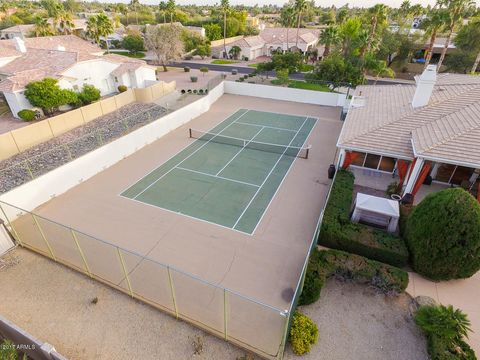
(375, 162)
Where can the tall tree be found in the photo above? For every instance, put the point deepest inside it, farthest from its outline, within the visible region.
(166, 42)
(468, 40)
(300, 6)
(162, 6)
(99, 26)
(224, 6)
(171, 9)
(378, 15)
(432, 26)
(350, 32)
(329, 38)
(287, 16)
(456, 10)
(135, 4)
(65, 22)
(42, 27)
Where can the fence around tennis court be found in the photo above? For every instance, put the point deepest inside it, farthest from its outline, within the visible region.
(246, 322)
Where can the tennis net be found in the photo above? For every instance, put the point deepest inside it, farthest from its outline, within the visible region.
(301, 152)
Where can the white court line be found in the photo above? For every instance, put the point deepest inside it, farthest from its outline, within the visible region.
(238, 152)
(218, 177)
(161, 177)
(265, 126)
(268, 175)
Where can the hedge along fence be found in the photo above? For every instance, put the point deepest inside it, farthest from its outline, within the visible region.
(338, 232)
(326, 263)
(18, 140)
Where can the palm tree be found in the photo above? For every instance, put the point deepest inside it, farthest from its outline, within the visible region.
(456, 9)
(171, 9)
(65, 22)
(467, 40)
(99, 26)
(134, 4)
(286, 18)
(300, 6)
(235, 51)
(224, 6)
(432, 26)
(329, 37)
(163, 9)
(378, 14)
(378, 68)
(42, 27)
(349, 33)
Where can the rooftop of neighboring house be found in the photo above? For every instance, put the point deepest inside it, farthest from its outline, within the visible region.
(383, 120)
(26, 29)
(50, 57)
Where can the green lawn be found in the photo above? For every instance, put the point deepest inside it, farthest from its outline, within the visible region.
(253, 65)
(138, 55)
(297, 84)
(224, 62)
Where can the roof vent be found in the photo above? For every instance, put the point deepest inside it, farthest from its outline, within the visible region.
(425, 84)
(20, 45)
(60, 48)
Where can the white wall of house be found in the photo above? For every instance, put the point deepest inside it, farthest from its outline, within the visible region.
(95, 72)
(17, 101)
(143, 74)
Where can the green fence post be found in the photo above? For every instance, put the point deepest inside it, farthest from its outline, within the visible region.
(122, 261)
(44, 237)
(10, 224)
(173, 291)
(81, 253)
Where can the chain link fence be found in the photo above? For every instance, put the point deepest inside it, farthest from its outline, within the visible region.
(243, 321)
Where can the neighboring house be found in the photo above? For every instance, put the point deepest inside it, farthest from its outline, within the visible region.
(24, 31)
(272, 40)
(417, 133)
(69, 59)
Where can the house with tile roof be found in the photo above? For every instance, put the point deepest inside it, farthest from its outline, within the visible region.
(416, 134)
(26, 30)
(69, 59)
(271, 40)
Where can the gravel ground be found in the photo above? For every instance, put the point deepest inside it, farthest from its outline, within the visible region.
(355, 322)
(51, 154)
(54, 304)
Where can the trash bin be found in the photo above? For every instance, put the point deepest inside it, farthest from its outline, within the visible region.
(331, 171)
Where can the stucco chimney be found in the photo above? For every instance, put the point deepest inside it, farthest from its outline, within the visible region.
(425, 84)
(20, 45)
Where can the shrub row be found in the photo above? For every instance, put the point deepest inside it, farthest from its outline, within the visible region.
(194, 91)
(325, 263)
(338, 232)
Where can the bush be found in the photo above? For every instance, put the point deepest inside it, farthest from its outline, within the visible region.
(88, 94)
(122, 88)
(193, 78)
(392, 188)
(194, 91)
(241, 79)
(326, 263)
(303, 333)
(186, 69)
(443, 235)
(204, 70)
(47, 95)
(338, 232)
(27, 114)
(200, 91)
(445, 328)
(183, 91)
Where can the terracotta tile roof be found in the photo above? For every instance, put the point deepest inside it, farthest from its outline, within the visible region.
(279, 35)
(249, 41)
(444, 129)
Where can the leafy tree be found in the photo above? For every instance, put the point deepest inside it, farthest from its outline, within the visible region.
(337, 70)
(47, 95)
(282, 76)
(376, 67)
(89, 94)
(135, 4)
(350, 33)
(42, 27)
(235, 51)
(460, 61)
(64, 19)
(99, 26)
(213, 31)
(170, 9)
(292, 61)
(166, 42)
(443, 235)
(468, 40)
(329, 37)
(432, 26)
(456, 10)
(378, 15)
(133, 43)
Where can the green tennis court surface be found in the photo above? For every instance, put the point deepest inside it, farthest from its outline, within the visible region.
(229, 175)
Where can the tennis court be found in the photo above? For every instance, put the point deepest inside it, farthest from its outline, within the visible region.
(228, 175)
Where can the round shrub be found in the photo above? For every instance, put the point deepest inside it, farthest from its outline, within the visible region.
(186, 69)
(200, 91)
(204, 70)
(193, 78)
(27, 114)
(88, 94)
(443, 235)
(206, 91)
(194, 91)
(122, 88)
(303, 333)
(183, 91)
(189, 91)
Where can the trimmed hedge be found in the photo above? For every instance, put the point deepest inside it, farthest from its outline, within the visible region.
(27, 114)
(443, 235)
(325, 263)
(338, 232)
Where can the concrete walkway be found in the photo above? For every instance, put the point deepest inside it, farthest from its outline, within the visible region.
(462, 294)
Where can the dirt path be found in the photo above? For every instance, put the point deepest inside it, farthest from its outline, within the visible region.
(53, 303)
(356, 323)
